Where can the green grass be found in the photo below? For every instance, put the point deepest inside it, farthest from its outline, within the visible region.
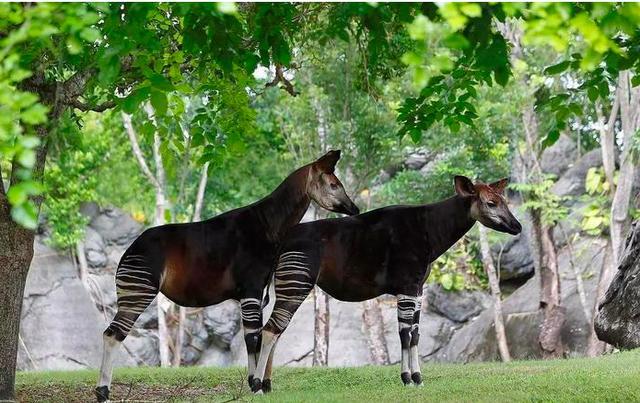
(611, 378)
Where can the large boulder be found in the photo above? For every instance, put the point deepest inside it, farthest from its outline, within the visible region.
(417, 158)
(61, 328)
(476, 341)
(618, 319)
(514, 258)
(572, 182)
(559, 157)
(116, 226)
(457, 306)
(94, 248)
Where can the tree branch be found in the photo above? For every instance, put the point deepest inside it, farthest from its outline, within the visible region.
(137, 152)
(96, 108)
(280, 78)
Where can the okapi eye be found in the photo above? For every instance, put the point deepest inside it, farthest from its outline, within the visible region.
(491, 204)
(333, 186)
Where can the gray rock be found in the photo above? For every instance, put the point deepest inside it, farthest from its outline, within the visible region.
(417, 159)
(559, 157)
(89, 209)
(94, 248)
(222, 322)
(476, 340)
(457, 306)
(143, 346)
(514, 257)
(571, 183)
(60, 327)
(617, 320)
(116, 227)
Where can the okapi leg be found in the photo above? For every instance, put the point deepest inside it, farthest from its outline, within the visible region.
(406, 308)
(414, 356)
(136, 289)
(293, 283)
(251, 310)
(266, 382)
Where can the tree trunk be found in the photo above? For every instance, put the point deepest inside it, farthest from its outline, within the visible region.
(546, 259)
(629, 116)
(373, 324)
(373, 329)
(321, 328)
(550, 337)
(16, 253)
(494, 284)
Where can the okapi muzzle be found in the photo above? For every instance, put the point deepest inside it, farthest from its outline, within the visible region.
(326, 189)
(488, 204)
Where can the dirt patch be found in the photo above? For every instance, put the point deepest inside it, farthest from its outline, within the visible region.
(129, 392)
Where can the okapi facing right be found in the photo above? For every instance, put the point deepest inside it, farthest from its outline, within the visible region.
(230, 256)
(384, 251)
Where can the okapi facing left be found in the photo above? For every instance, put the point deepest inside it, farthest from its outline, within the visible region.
(384, 251)
(230, 256)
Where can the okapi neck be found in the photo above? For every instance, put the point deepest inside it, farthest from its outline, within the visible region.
(447, 221)
(286, 205)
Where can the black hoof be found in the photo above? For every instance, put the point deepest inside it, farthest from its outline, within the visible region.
(266, 385)
(256, 386)
(406, 378)
(102, 393)
(417, 378)
(250, 380)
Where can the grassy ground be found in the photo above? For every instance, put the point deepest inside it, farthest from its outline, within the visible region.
(611, 378)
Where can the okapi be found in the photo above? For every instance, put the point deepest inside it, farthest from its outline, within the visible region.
(230, 256)
(384, 251)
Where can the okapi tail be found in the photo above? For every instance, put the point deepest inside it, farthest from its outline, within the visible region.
(265, 300)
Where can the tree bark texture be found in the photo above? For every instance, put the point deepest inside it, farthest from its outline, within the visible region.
(16, 253)
(321, 328)
(373, 329)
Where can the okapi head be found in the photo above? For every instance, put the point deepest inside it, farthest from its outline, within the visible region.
(488, 204)
(325, 188)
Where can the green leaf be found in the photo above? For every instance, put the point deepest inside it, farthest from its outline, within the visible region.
(471, 9)
(456, 41)
(447, 281)
(591, 223)
(501, 75)
(160, 82)
(635, 80)
(35, 114)
(416, 135)
(25, 215)
(551, 138)
(557, 68)
(159, 102)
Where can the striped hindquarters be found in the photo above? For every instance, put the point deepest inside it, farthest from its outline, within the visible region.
(293, 282)
(136, 288)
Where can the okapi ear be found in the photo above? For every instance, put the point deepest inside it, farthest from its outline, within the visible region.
(464, 186)
(327, 163)
(500, 185)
